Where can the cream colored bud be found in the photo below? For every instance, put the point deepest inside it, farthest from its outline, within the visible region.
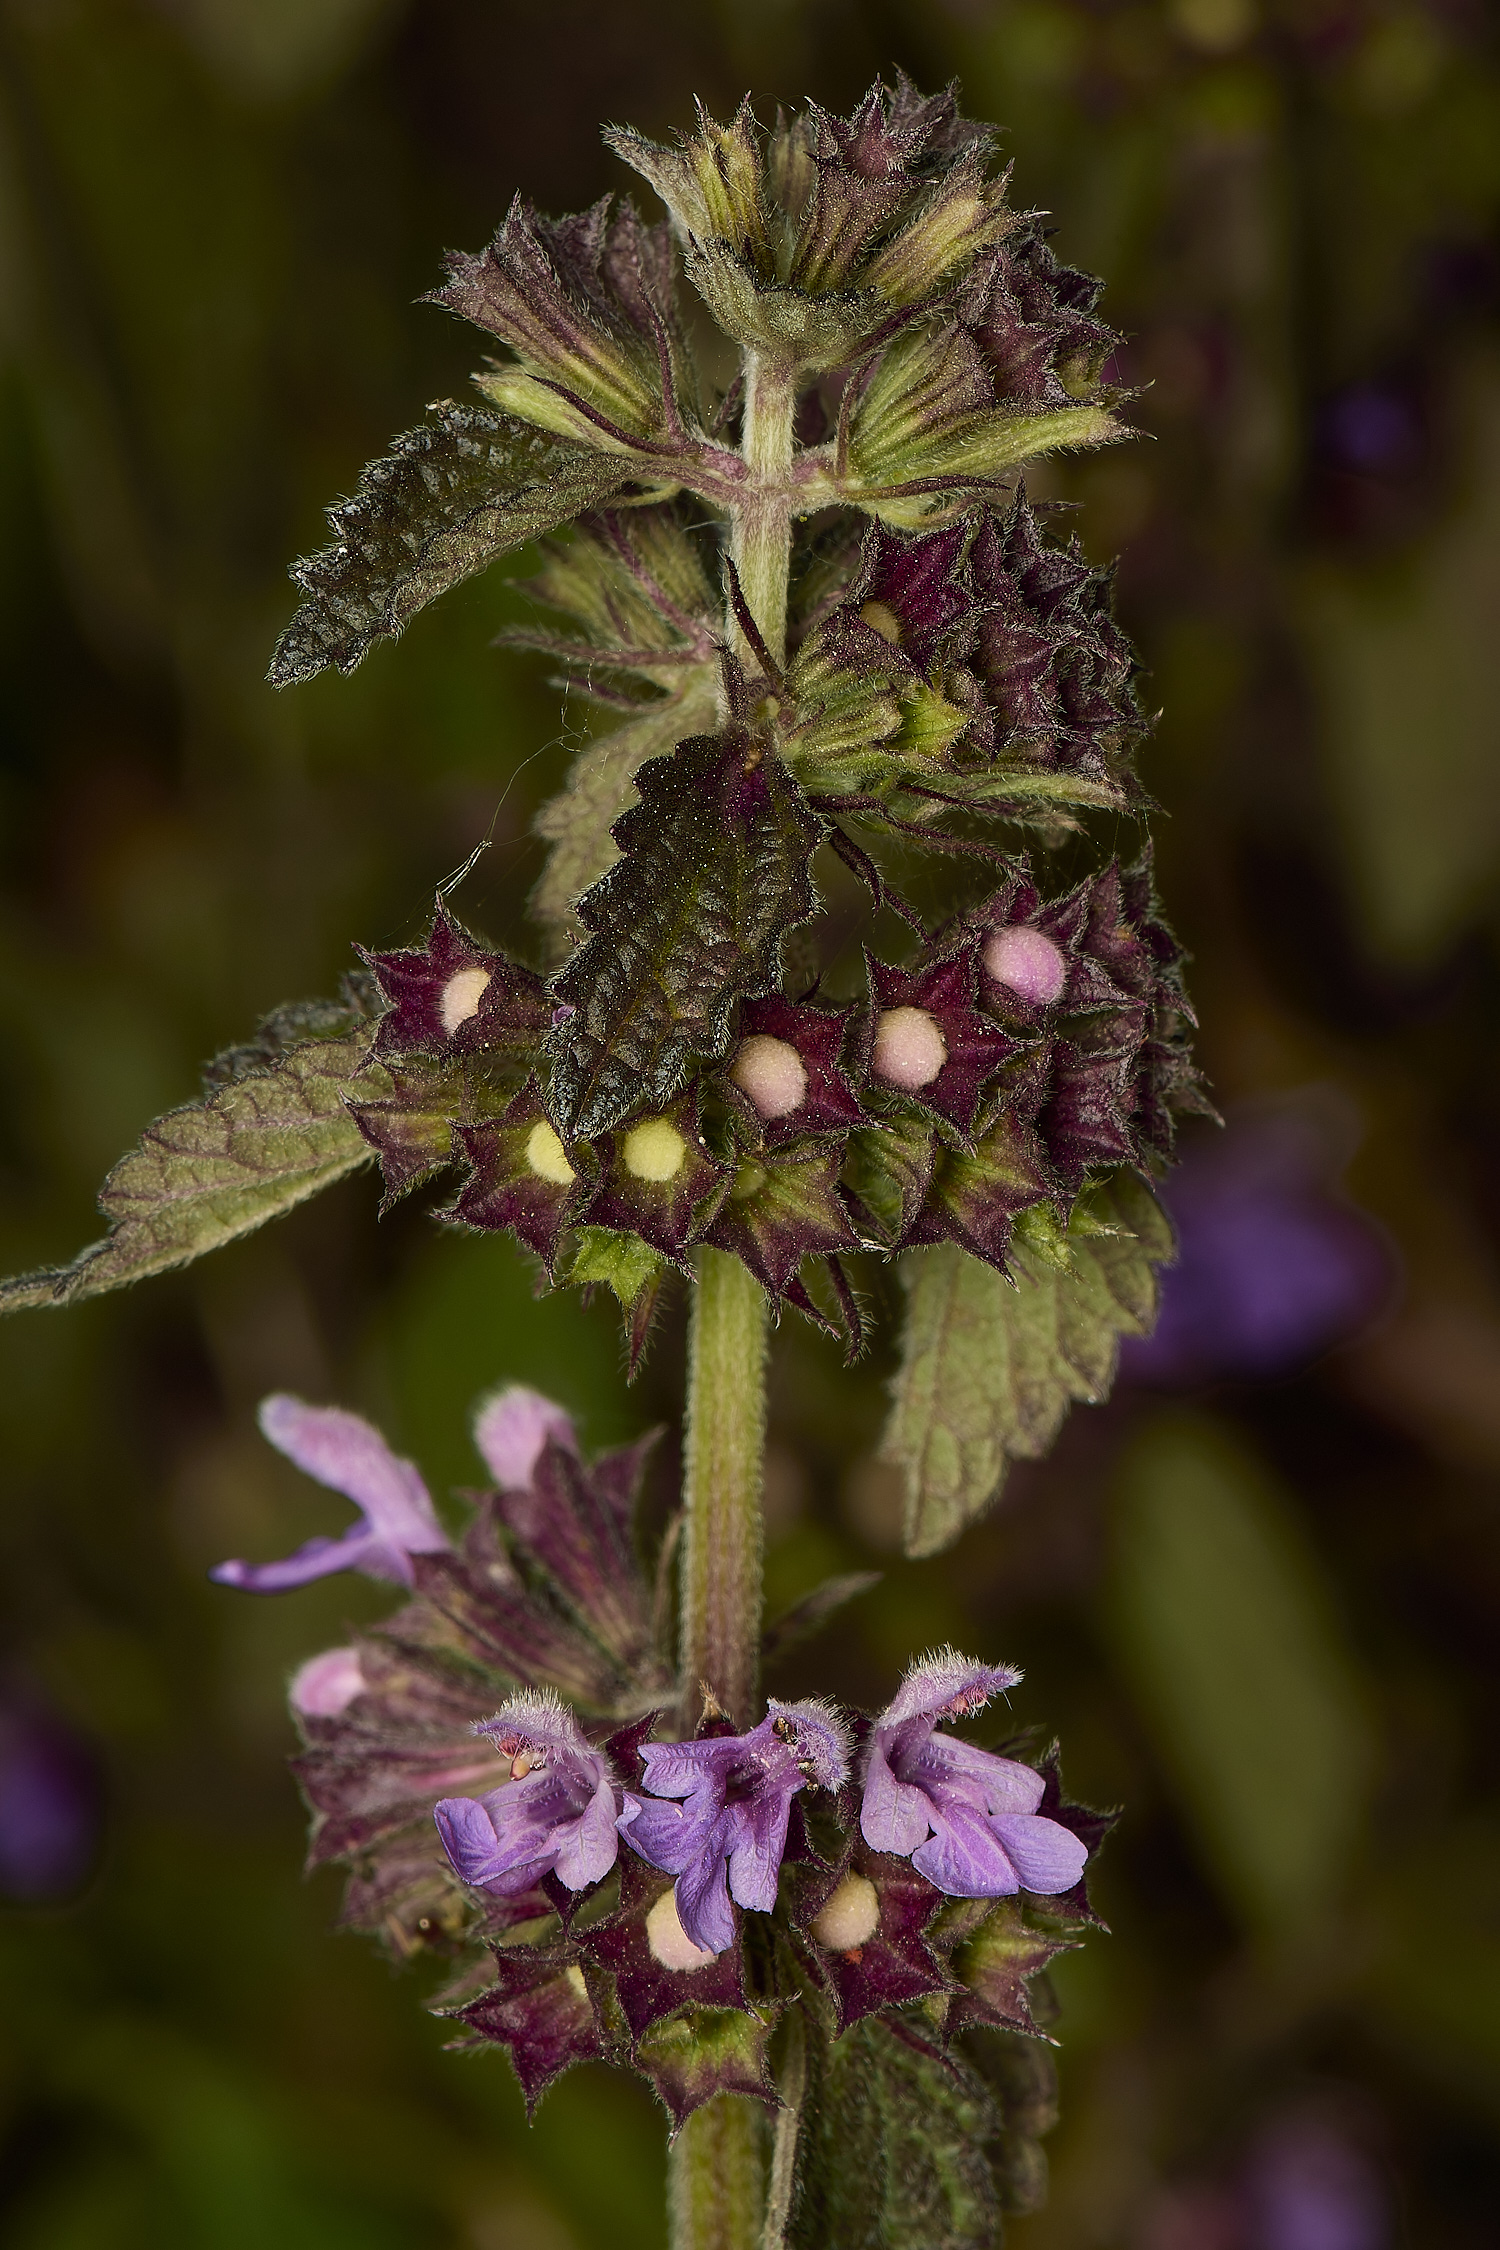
(772, 1073)
(850, 1917)
(461, 997)
(654, 1150)
(669, 1941)
(910, 1048)
(547, 1157)
(882, 619)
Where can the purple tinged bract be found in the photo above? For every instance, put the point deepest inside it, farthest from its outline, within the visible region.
(965, 1818)
(349, 1455)
(725, 1833)
(553, 1813)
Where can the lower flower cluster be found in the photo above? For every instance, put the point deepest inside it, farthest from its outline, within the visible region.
(488, 1766)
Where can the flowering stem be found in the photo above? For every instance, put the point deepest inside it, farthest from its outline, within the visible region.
(715, 2196)
(725, 1446)
(761, 537)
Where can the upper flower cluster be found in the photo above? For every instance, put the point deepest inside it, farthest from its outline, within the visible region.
(871, 272)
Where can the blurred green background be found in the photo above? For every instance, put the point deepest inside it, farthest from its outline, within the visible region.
(1262, 1614)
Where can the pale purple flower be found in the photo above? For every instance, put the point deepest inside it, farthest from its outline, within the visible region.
(965, 1818)
(347, 1453)
(326, 1685)
(511, 1428)
(554, 1812)
(727, 1835)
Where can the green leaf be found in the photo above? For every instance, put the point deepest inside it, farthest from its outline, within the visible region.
(449, 497)
(1232, 1644)
(990, 1367)
(1021, 2077)
(631, 1269)
(893, 2153)
(217, 1168)
(620, 1262)
(601, 785)
(717, 868)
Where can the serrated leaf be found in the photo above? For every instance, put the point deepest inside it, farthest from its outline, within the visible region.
(893, 2154)
(579, 822)
(218, 1168)
(448, 498)
(990, 1368)
(717, 868)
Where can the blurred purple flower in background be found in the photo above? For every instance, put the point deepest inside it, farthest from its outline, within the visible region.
(1373, 428)
(1275, 1265)
(51, 1801)
(1306, 2182)
(349, 1454)
(1310, 2186)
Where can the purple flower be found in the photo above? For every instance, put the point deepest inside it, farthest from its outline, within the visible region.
(555, 1813)
(1274, 1265)
(728, 1834)
(343, 1451)
(51, 1802)
(965, 1818)
(510, 1430)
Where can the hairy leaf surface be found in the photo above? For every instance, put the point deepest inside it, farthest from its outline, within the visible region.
(893, 2154)
(578, 822)
(449, 497)
(716, 869)
(217, 1168)
(990, 1367)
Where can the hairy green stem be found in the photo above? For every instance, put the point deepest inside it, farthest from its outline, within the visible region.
(761, 532)
(716, 2191)
(792, 2087)
(725, 1449)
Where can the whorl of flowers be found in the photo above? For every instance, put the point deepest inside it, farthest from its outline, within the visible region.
(488, 1766)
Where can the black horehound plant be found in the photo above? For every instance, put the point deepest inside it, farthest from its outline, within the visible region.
(829, 621)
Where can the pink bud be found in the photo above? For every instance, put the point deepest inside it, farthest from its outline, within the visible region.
(326, 1685)
(511, 1428)
(772, 1073)
(1027, 962)
(910, 1048)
